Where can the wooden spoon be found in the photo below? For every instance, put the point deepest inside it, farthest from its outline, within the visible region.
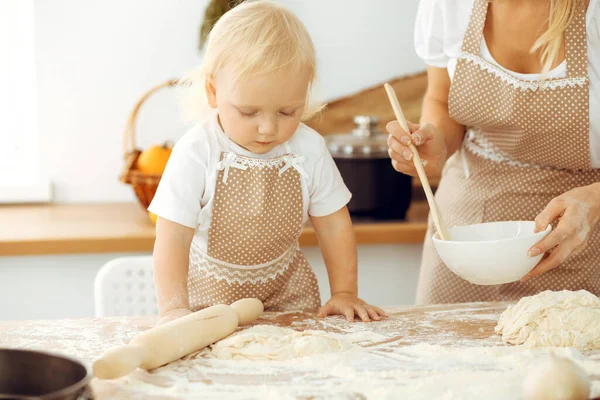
(437, 218)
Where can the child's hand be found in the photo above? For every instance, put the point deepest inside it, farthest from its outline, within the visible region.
(173, 314)
(348, 304)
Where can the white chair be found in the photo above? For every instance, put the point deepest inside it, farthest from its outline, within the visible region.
(124, 286)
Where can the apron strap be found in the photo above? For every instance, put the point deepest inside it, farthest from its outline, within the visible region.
(291, 160)
(576, 47)
(474, 35)
(228, 161)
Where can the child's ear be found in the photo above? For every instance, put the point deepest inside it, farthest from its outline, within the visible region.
(211, 91)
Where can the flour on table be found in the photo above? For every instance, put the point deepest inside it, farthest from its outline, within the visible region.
(417, 372)
(562, 319)
(267, 342)
(437, 353)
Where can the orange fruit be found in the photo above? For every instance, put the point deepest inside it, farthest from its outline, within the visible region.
(154, 159)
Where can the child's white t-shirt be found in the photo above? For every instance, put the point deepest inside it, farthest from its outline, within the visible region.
(186, 190)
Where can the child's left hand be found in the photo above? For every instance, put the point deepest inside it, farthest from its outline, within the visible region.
(348, 304)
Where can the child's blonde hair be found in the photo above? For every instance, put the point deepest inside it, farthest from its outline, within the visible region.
(255, 37)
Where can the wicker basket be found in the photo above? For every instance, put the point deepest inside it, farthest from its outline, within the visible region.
(144, 185)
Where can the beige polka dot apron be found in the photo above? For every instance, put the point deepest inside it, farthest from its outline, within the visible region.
(534, 148)
(253, 237)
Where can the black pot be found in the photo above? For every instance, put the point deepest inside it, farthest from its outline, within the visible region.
(28, 375)
(378, 191)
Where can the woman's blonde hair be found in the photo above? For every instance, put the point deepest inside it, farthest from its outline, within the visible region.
(255, 37)
(562, 13)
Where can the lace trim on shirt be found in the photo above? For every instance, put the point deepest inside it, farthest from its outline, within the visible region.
(232, 273)
(552, 84)
(260, 162)
(283, 163)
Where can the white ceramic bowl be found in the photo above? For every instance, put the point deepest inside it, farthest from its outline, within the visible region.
(491, 253)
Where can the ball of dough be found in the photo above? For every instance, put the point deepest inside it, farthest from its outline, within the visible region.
(553, 318)
(557, 378)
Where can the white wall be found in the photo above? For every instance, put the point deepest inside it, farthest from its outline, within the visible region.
(95, 59)
(48, 287)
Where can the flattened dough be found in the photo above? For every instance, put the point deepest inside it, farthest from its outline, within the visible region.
(561, 319)
(267, 342)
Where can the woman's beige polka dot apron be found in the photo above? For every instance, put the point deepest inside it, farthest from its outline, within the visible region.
(534, 148)
(253, 237)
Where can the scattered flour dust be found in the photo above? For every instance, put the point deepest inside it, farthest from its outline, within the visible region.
(424, 357)
(275, 363)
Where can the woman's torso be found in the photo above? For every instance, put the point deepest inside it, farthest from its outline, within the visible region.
(439, 34)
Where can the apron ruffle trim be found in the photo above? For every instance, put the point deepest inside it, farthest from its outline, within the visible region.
(551, 84)
(242, 274)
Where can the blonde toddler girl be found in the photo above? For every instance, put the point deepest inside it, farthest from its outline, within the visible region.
(240, 185)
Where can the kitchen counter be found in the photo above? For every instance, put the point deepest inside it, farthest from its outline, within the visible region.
(125, 227)
(444, 351)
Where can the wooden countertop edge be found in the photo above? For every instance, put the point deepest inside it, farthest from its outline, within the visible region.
(377, 233)
(125, 227)
(64, 246)
(366, 233)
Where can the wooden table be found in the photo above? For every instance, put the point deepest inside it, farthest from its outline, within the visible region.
(435, 352)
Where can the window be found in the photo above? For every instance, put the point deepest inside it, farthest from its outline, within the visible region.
(20, 169)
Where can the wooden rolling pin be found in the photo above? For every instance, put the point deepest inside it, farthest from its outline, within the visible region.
(178, 338)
